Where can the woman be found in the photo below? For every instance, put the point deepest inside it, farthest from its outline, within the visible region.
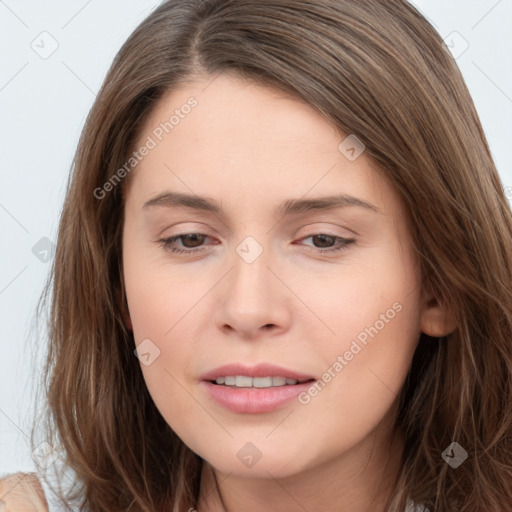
(203, 355)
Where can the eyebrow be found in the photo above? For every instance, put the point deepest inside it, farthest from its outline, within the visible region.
(287, 207)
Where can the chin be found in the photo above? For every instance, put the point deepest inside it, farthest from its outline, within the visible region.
(251, 462)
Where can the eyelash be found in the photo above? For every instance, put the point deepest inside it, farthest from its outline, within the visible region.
(166, 243)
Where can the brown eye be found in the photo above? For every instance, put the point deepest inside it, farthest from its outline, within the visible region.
(191, 242)
(323, 242)
(326, 241)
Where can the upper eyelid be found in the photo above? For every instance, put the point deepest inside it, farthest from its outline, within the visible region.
(308, 227)
(178, 236)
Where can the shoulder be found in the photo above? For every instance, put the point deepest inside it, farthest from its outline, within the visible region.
(23, 492)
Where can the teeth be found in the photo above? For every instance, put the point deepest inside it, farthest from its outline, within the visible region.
(243, 381)
(278, 381)
(262, 382)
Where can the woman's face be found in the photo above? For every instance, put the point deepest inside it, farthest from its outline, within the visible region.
(270, 279)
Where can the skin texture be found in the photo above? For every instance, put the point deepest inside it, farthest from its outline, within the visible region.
(250, 148)
(22, 492)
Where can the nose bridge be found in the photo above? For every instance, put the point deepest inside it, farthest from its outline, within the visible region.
(251, 298)
(250, 277)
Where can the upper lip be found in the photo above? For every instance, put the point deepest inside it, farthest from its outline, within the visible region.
(259, 370)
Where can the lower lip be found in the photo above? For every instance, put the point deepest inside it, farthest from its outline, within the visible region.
(254, 400)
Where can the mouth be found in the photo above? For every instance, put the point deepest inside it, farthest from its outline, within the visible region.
(261, 388)
(246, 381)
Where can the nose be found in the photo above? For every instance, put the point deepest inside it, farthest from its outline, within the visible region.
(251, 300)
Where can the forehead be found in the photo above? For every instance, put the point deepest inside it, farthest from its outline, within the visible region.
(228, 137)
(230, 109)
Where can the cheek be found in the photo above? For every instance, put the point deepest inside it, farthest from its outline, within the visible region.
(163, 308)
(159, 300)
(160, 314)
(372, 298)
(374, 313)
(162, 302)
(161, 293)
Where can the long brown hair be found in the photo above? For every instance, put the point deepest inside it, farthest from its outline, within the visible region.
(378, 70)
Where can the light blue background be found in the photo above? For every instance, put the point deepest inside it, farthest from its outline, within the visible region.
(44, 103)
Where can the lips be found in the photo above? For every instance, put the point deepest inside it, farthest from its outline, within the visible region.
(237, 396)
(261, 370)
